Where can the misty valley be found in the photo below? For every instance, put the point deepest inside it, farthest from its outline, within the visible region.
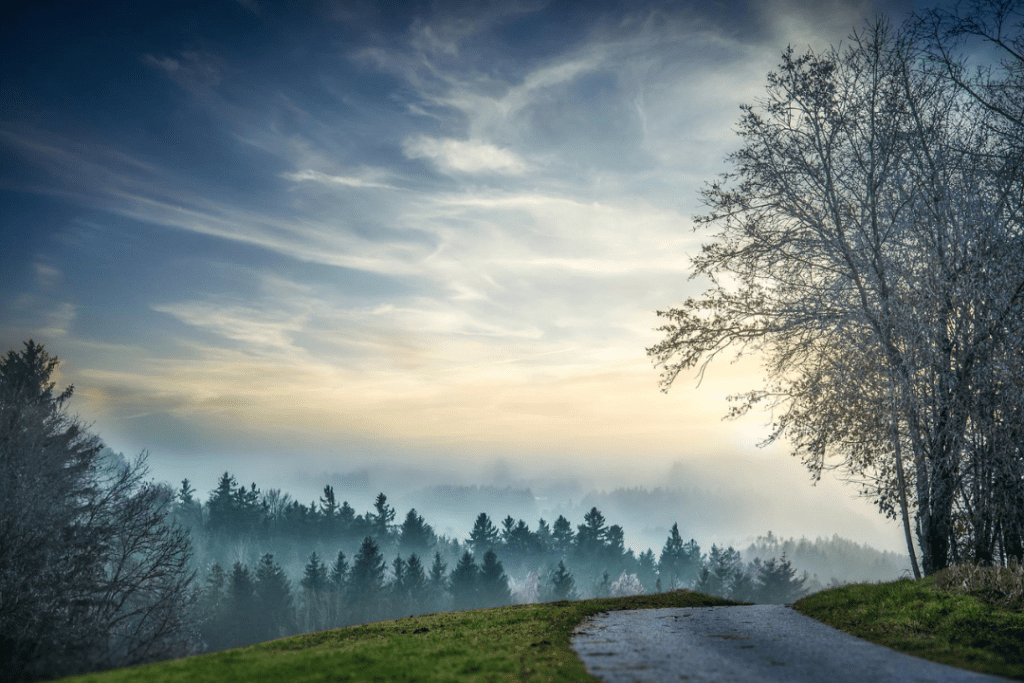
(269, 566)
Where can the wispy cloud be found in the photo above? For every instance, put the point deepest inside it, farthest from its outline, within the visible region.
(194, 70)
(463, 156)
(327, 179)
(446, 230)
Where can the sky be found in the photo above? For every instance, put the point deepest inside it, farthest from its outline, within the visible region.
(428, 240)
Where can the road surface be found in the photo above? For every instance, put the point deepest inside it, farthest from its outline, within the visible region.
(757, 643)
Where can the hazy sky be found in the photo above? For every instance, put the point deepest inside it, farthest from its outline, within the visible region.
(294, 238)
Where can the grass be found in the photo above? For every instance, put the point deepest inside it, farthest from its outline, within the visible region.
(963, 617)
(936, 618)
(521, 642)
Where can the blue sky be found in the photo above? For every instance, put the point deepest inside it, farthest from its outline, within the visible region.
(287, 238)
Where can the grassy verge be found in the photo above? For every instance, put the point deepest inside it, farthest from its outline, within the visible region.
(522, 642)
(918, 618)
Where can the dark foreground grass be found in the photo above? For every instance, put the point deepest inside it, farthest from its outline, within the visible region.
(917, 618)
(517, 643)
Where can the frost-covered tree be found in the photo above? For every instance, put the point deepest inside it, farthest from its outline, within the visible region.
(870, 249)
(626, 584)
(93, 572)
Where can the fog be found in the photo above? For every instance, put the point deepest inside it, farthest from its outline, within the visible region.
(728, 500)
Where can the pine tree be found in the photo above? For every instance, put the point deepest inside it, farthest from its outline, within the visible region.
(507, 525)
(415, 584)
(561, 536)
(707, 583)
(492, 582)
(276, 616)
(339, 572)
(603, 588)
(329, 513)
(777, 582)
(366, 582)
(221, 507)
(397, 589)
(679, 562)
(484, 535)
(543, 536)
(591, 536)
(415, 535)
(338, 584)
(315, 574)
(615, 547)
(316, 598)
(647, 570)
(213, 622)
(742, 587)
(562, 585)
(439, 597)
(187, 508)
(382, 520)
(521, 543)
(463, 582)
(241, 608)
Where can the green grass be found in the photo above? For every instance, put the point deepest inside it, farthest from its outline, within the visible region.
(918, 618)
(517, 643)
(531, 642)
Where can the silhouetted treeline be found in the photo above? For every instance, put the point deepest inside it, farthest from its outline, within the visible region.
(273, 566)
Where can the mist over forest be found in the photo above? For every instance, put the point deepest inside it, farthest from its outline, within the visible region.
(332, 564)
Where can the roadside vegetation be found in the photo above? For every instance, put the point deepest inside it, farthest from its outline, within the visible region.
(966, 616)
(518, 642)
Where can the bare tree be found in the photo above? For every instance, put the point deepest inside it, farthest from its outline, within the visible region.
(990, 508)
(870, 249)
(91, 574)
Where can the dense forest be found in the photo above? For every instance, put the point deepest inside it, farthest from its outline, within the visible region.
(271, 566)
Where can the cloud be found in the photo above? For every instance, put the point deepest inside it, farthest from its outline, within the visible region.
(194, 71)
(59, 320)
(463, 156)
(254, 327)
(47, 277)
(326, 179)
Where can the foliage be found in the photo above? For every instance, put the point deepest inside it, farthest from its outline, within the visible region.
(93, 573)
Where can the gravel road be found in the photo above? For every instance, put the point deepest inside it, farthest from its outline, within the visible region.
(759, 643)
